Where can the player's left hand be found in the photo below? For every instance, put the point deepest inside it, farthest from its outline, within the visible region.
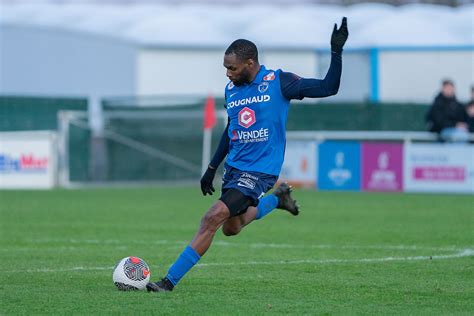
(206, 181)
(339, 37)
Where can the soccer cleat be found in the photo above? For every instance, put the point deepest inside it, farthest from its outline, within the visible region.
(285, 201)
(164, 285)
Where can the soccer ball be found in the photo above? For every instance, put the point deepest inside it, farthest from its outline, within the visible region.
(131, 273)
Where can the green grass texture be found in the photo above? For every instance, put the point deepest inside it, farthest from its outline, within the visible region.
(347, 253)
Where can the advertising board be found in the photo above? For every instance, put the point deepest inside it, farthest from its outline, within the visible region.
(382, 167)
(27, 159)
(299, 167)
(339, 165)
(439, 168)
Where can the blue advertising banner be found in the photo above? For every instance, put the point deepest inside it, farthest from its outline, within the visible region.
(339, 166)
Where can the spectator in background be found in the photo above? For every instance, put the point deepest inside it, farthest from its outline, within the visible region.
(447, 116)
(470, 112)
(470, 115)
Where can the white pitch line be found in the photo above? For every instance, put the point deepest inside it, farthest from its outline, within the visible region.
(72, 269)
(124, 246)
(380, 247)
(464, 253)
(248, 245)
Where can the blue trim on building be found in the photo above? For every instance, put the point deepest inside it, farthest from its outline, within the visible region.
(373, 54)
(401, 48)
(426, 48)
(374, 75)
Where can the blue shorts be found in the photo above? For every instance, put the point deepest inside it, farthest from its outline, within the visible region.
(252, 184)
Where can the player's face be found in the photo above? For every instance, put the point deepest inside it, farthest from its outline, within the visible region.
(238, 71)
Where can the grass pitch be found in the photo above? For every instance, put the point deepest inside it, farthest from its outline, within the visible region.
(347, 253)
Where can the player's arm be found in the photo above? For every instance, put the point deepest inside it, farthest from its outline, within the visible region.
(206, 181)
(222, 150)
(295, 87)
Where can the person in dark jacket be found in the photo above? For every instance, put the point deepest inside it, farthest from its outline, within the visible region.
(470, 115)
(447, 116)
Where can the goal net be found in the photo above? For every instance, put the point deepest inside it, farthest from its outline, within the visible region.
(136, 146)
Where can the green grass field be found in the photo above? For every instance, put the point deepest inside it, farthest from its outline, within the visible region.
(347, 253)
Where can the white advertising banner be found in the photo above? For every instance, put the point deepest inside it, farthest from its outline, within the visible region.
(439, 168)
(27, 159)
(299, 167)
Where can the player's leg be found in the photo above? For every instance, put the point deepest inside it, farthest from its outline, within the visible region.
(280, 198)
(234, 225)
(253, 185)
(210, 223)
(239, 204)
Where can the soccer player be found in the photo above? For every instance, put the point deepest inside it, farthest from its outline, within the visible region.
(257, 102)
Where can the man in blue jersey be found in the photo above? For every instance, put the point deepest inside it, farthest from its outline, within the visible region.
(257, 102)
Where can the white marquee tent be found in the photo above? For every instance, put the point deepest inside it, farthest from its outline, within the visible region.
(299, 25)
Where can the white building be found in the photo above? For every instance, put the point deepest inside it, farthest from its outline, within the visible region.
(393, 54)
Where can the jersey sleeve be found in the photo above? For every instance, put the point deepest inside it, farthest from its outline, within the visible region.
(295, 87)
(223, 148)
(290, 85)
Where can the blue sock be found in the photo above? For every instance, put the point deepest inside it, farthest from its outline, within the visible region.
(188, 258)
(266, 205)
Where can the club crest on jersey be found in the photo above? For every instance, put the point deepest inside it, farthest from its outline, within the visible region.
(230, 85)
(247, 117)
(263, 87)
(269, 77)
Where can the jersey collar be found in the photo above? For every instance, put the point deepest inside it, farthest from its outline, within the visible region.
(261, 73)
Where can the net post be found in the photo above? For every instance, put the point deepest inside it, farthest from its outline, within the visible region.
(63, 152)
(206, 149)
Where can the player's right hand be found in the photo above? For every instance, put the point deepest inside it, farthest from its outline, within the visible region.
(206, 181)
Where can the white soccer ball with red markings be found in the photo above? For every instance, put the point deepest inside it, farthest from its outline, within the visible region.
(131, 273)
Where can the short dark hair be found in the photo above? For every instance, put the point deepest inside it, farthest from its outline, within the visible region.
(243, 49)
(448, 82)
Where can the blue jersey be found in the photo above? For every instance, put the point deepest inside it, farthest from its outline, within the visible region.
(257, 120)
(254, 139)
